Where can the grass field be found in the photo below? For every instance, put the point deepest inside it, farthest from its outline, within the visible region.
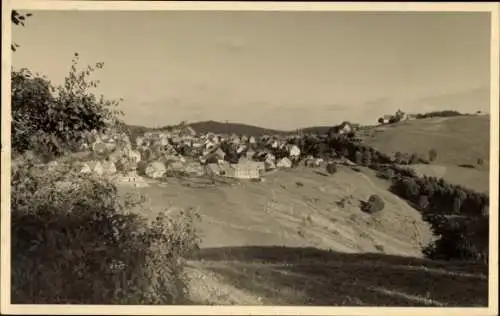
(289, 240)
(458, 141)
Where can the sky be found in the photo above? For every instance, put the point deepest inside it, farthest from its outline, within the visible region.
(281, 70)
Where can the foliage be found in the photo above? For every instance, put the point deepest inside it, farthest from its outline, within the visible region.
(414, 159)
(394, 119)
(386, 173)
(74, 241)
(374, 204)
(470, 166)
(451, 210)
(331, 168)
(367, 157)
(18, 19)
(432, 154)
(57, 116)
(358, 157)
(445, 113)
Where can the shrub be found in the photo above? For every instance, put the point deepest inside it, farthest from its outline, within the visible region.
(331, 168)
(386, 173)
(466, 240)
(467, 166)
(452, 211)
(59, 116)
(414, 159)
(367, 157)
(74, 241)
(393, 119)
(358, 157)
(432, 155)
(374, 204)
(398, 157)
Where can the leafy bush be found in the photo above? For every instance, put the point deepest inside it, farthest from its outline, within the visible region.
(75, 241)
(398, 156)
(367, 157)
(394, 119)
(358, 157)
(465, 239)
(386, 173)
(58, 117)
(414, 159)
(374, 204)
(453, 212)
(74, 238)
(331, 168)
(432, 154)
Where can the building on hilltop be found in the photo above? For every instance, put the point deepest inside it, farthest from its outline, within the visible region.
(345, 128)
(386, 119)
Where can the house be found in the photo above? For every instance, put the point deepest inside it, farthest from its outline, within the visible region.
(386, 119)
(411, 117)
(190, 131)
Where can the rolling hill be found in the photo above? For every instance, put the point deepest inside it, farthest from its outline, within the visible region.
(459, 141)
(290, 241)
(229, 128)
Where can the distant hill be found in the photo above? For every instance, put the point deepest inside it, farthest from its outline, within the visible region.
(237, 128)
(223, 128)
(316, 129)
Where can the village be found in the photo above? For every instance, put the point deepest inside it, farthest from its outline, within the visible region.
(182, 151)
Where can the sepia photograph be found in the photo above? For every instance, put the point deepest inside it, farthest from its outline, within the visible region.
(281, 156)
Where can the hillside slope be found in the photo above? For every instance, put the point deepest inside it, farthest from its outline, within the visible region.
(458, 141)
(289, 240)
